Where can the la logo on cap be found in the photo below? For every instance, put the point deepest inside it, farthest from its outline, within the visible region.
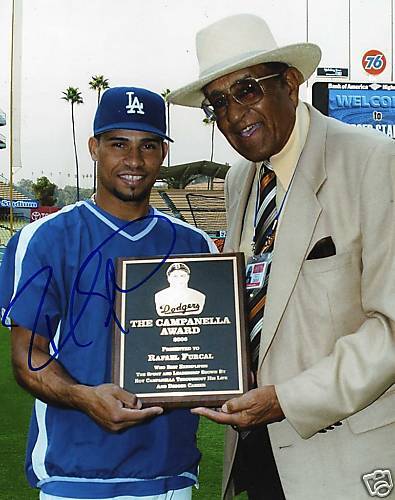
(134, 106)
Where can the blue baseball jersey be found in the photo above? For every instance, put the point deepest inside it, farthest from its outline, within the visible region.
(56, 279)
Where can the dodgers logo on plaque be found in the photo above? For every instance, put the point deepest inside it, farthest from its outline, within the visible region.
(181, 338)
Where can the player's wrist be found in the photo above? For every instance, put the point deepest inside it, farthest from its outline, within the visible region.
(79, 396)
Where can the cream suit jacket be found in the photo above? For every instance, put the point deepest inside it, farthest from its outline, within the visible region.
(328, 339)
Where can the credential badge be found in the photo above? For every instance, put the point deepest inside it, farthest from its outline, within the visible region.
(378, 483)
(134, 105)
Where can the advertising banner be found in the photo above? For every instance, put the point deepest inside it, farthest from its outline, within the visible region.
(4, 203)
(369, 105)
(40, 212)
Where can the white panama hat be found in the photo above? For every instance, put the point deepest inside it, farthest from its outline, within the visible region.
(237, 42)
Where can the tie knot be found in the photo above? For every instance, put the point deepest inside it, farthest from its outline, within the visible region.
(267, 166)
(267, 180)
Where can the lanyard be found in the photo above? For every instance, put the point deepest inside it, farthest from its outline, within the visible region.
(270, 237)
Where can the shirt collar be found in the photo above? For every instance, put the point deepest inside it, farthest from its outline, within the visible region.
(284, 162)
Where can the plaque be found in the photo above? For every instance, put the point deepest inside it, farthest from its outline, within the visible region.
(180, 334)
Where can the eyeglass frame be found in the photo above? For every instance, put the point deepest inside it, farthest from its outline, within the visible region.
(210, 114)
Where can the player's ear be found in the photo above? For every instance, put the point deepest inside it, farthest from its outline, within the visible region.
(93, 144)
(165, 148)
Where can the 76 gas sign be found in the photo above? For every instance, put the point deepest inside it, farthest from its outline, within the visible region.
(374, 62)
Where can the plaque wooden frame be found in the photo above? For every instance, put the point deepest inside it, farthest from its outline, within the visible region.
(222, 341)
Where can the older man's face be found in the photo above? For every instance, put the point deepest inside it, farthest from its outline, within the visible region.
(260, 130)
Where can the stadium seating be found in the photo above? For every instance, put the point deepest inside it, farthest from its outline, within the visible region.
(5, 232)
(202, 208)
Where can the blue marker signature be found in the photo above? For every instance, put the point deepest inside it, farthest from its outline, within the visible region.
(111, 288)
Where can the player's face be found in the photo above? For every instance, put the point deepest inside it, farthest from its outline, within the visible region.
(178, 278)
(128, 163)
(260, 130)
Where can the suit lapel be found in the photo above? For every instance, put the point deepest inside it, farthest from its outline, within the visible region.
(300, 216)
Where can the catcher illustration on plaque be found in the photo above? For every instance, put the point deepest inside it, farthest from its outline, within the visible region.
(178, 299)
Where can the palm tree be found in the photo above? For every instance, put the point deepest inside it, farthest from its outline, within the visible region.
(98, 83)
(211, 121)
(165, 94)
(73, 96)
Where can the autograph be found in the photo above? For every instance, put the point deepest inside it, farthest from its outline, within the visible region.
(111, 287)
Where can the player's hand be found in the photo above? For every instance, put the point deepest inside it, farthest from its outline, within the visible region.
(112, 407)
(255, 407)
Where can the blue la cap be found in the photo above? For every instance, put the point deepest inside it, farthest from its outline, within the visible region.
(131, 108)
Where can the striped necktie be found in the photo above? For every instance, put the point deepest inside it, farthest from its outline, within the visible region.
(264, 242)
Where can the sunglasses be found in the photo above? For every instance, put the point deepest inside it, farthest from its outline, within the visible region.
(247, 91)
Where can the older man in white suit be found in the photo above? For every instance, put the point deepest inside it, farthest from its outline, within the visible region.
(326, 364)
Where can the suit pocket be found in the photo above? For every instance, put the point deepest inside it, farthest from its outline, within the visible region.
(327, 263)
(380, 413)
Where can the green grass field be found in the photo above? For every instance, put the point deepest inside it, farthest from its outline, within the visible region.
(16, 407)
